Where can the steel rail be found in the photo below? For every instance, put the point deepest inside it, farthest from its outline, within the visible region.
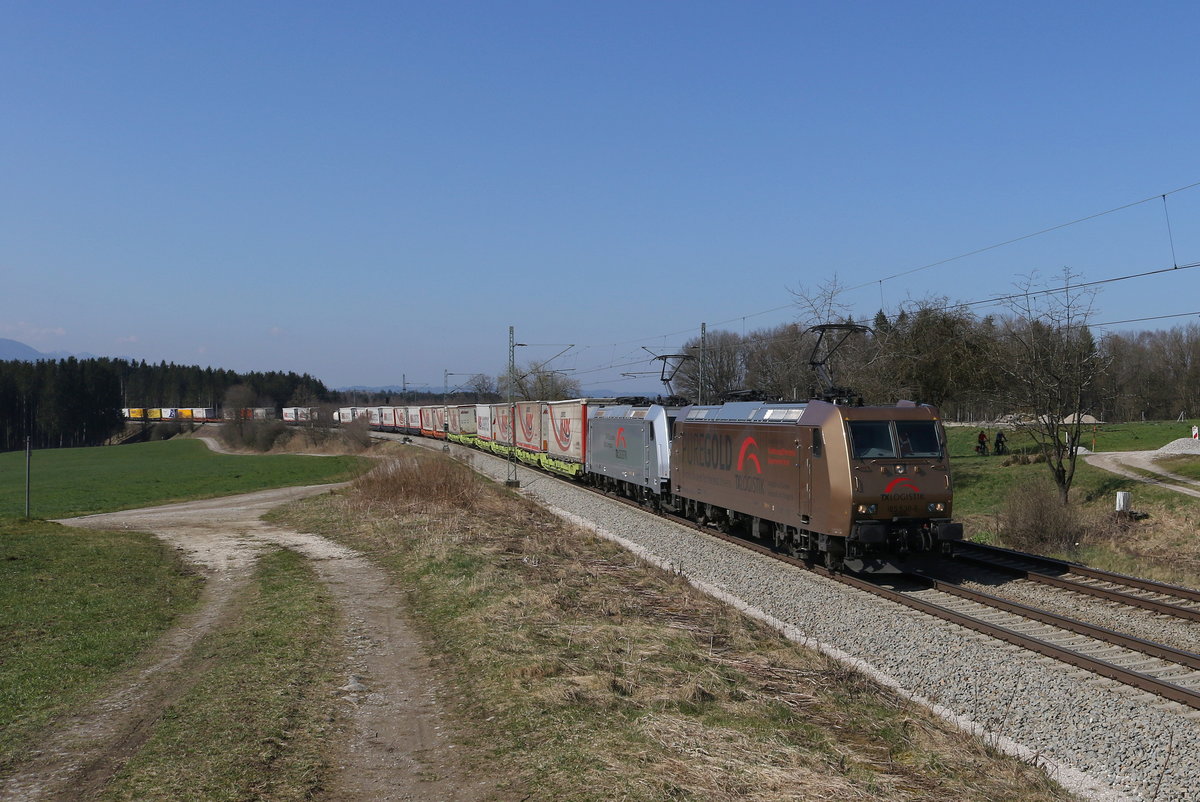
(1135, 679)
(1108, 594)
(1178, 591)
(1151, 648)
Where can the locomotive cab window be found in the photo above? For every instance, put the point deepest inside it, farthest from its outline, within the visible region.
(909, 439)
(870, 439)
(918, 438)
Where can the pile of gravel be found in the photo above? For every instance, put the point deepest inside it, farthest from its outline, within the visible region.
(1184, 445)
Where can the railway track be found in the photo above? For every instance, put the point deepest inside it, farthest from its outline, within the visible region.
(1158, 597)
(1156, 668)
(1146, 665)
(1170, 673)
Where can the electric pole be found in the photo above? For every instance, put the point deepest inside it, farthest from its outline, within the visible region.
(512, 480)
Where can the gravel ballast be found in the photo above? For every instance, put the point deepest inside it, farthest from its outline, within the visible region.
(1101, 739)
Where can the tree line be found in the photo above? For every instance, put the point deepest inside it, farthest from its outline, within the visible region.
(77, 402)
(971, 368)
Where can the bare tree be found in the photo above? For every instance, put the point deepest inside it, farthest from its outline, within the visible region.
(536, 382)
(1050, 365)
(777, 359)
(724, 366)
(482, 385)
(822, 304)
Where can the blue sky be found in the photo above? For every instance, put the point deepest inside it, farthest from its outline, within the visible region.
(365, 191)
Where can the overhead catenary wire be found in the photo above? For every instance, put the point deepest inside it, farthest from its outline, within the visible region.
(1024, 237)
(992, 301)
(947, 260)
(1170, 236)
(995, 300)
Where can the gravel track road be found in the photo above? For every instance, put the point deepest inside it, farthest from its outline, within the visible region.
(397, 748)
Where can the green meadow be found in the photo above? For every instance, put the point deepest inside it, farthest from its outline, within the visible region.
(81, 481)
(981, 484)
(79, 605)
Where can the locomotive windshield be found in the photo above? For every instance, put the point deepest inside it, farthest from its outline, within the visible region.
(894, 439)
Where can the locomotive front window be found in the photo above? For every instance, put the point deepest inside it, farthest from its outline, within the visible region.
(871, 439)
(918, 438)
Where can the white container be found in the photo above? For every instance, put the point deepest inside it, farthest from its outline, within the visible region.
(483, 421)
(529, 426)
(563, 431)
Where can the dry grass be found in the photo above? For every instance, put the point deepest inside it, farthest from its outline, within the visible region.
(1034, 519)
(1163, 546)
(578, 672)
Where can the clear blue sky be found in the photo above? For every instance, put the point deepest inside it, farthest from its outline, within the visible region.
(362, 191)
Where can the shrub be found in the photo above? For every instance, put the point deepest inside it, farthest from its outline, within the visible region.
(357, 434)
(256, 435)
(163, 431)
(1034, 519)
(420, 484)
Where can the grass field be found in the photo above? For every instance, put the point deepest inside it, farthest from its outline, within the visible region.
(1162, 546)
(1143, 436)
(76, 606)
(80, 481)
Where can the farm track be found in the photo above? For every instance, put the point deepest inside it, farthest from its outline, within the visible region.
(393, 741)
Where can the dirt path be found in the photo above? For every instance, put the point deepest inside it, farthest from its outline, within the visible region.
(396, 749)
(1121, 463)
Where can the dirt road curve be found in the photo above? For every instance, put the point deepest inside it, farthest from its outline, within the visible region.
(397, 749)
(1121, 463)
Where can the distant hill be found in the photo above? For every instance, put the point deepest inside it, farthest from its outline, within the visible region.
(19, 351)
(11, 349)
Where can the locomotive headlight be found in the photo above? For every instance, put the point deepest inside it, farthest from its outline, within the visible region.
(899, 469)
(937, 506)
(865, 509)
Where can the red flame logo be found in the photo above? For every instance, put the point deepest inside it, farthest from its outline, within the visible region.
(744, 457)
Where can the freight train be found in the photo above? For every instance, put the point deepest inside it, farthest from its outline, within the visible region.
(199, 414)
(856, 488)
